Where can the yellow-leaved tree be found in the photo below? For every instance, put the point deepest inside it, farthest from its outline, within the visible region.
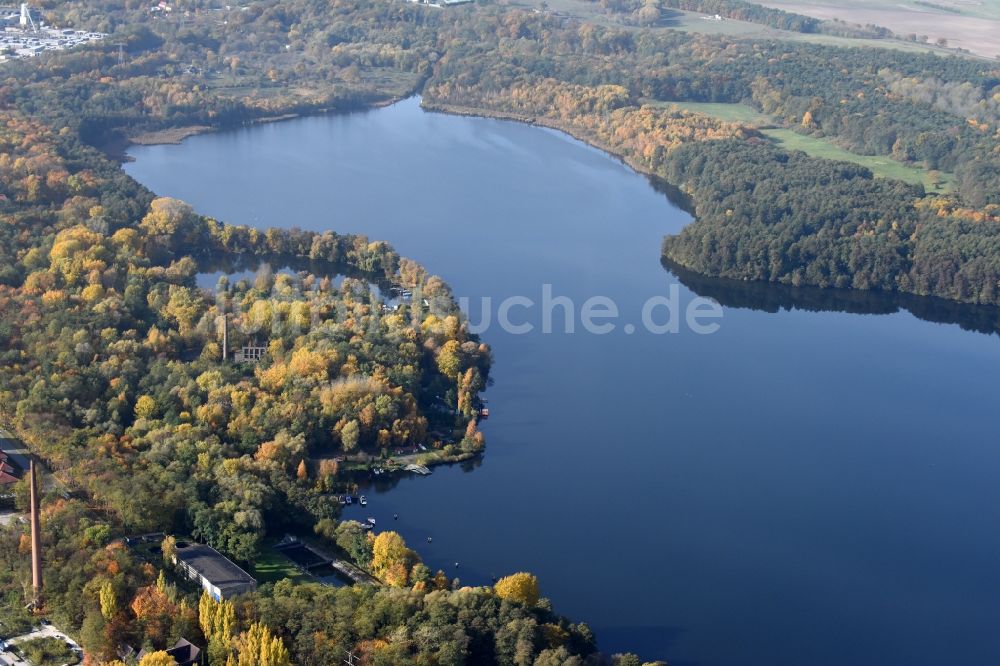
(109, 600)
(206, 614)
(257, 646)
(217, 620)
(160, 658)
(520, 587)
(391, 559)
(145, 407)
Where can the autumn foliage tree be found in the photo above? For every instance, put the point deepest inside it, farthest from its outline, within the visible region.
(154, 612)
(160, 658)
(258, 646)
(520, 587)
(391, 559)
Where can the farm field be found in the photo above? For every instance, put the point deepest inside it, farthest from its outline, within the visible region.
(695, 23)
(968, 24)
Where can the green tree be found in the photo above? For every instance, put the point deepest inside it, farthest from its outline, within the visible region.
(351, 536)
(349, 435)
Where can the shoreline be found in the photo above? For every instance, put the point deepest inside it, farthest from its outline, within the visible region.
(675, 194)
(117, 148)
(477, 112)
(175, 135)
(170, 136)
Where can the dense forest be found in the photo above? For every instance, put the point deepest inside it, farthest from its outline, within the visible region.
(111, 362)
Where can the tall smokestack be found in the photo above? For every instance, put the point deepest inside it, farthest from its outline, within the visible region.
(225, 337)
(36, 539)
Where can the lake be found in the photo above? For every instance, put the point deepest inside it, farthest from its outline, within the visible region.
(814, 483)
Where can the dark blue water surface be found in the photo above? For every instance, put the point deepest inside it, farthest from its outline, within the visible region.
(818, 482)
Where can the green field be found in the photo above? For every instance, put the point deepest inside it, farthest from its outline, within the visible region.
(271, 566)
(879, 165)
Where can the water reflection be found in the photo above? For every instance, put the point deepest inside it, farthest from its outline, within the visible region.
(246, 267)
(770, 297)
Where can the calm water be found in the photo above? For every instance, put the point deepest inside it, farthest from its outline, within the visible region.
(805, 486)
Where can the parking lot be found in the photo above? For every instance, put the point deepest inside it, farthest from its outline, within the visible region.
(19, 43)
(9, 658)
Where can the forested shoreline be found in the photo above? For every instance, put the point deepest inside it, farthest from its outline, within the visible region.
(110, 355)
(762, 225)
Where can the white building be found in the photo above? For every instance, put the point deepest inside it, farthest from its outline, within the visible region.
(216, 573)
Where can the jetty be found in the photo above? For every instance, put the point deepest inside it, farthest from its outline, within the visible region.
(353, 572)
(309, 557)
